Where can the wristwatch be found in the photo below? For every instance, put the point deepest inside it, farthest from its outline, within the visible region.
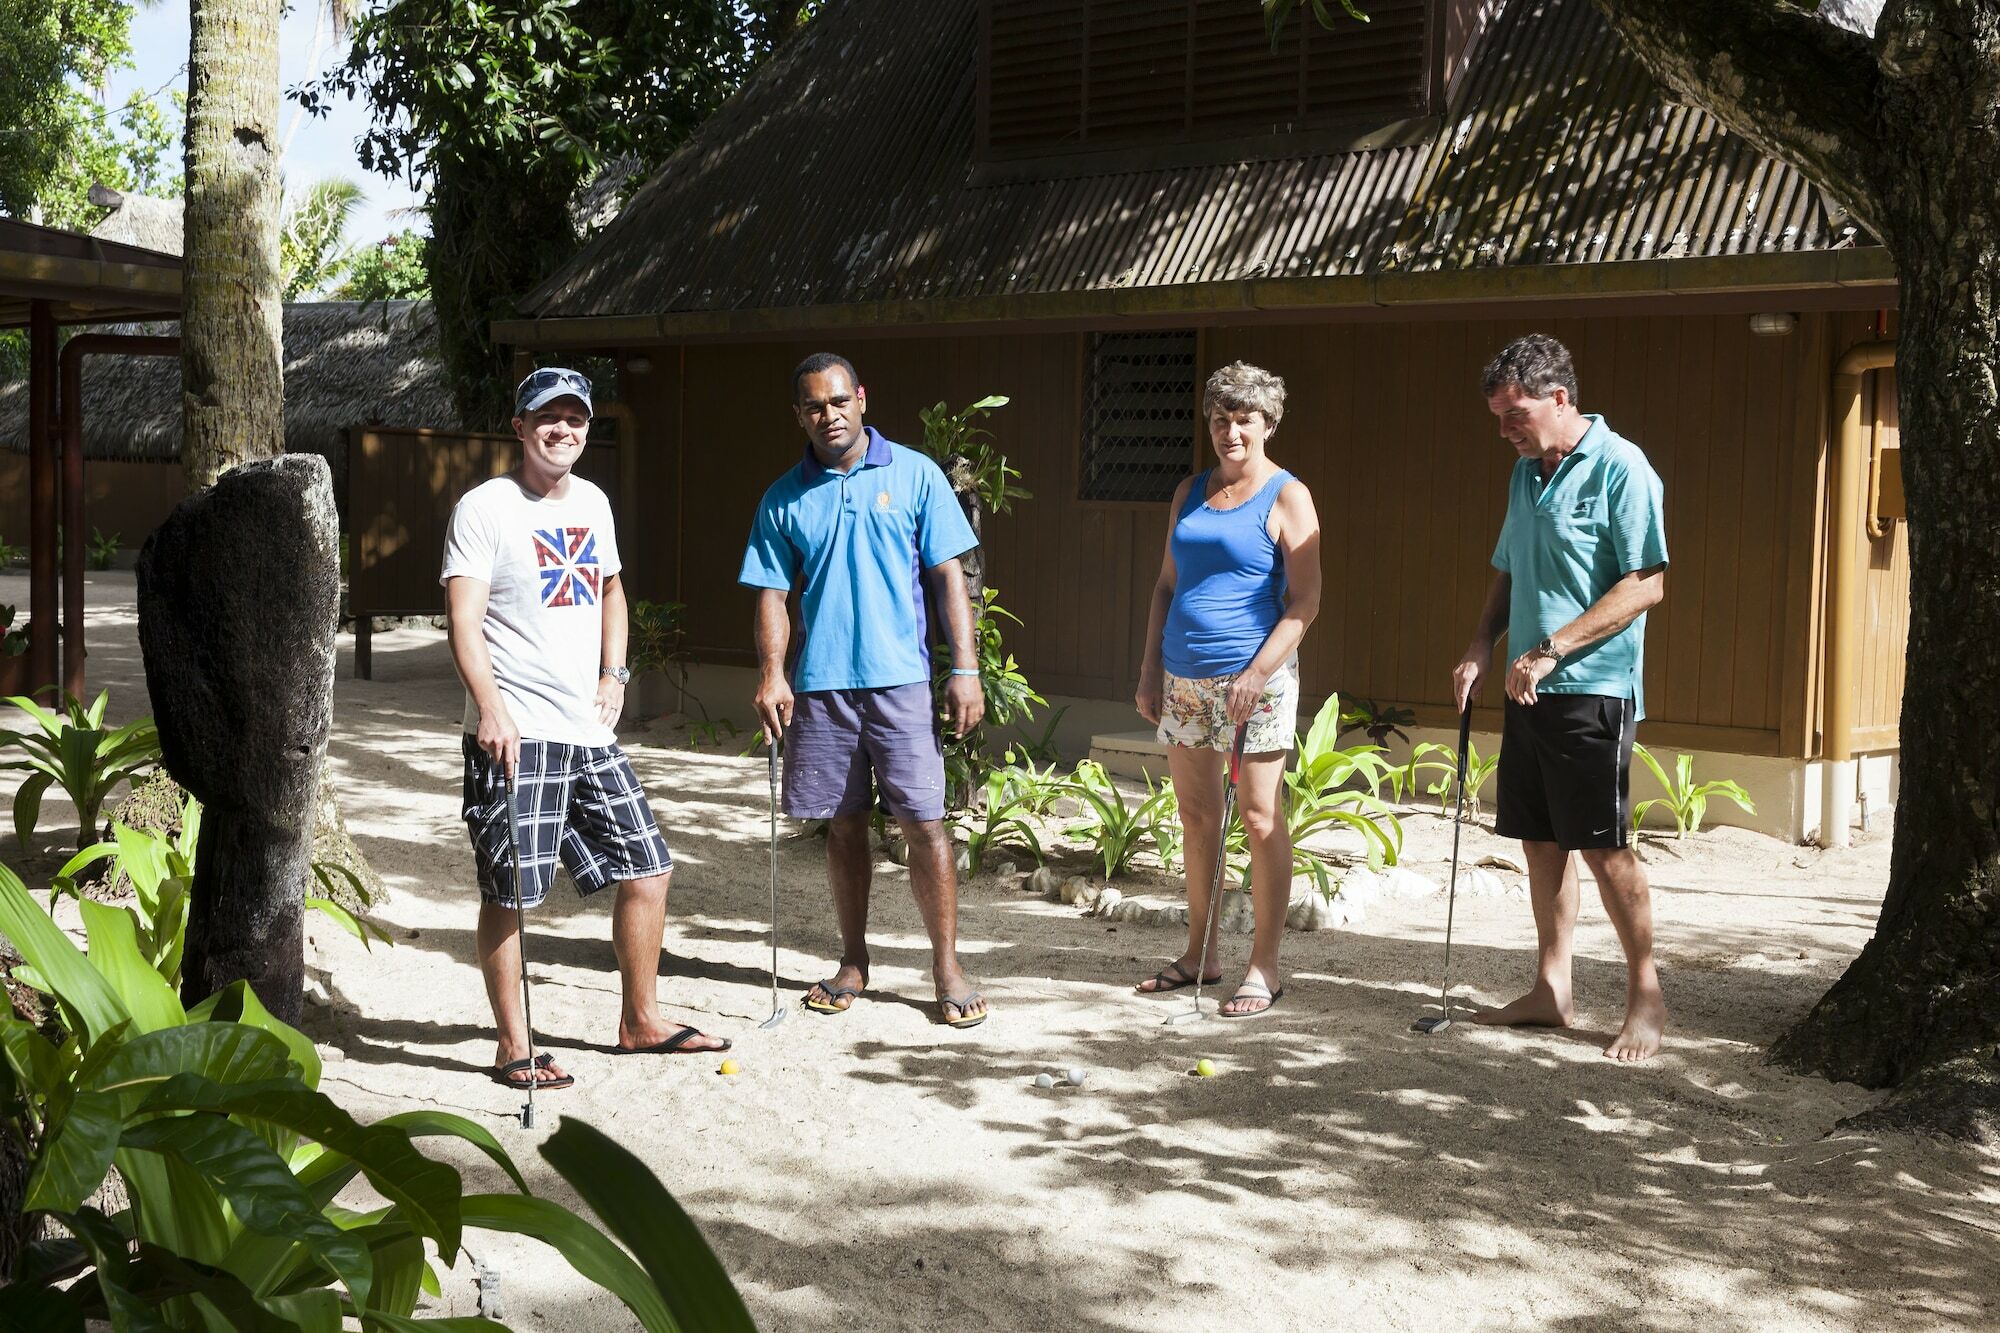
(619, 674)
(1547, 648)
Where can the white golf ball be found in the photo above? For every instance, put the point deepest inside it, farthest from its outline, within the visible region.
(1076, 1077)
(1044, 1081)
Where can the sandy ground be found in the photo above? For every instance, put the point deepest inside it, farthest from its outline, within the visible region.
(880, 1171)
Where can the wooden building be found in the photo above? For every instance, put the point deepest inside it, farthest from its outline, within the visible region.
(1086, 205)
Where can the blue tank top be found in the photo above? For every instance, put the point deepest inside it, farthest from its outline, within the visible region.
(1229, 588)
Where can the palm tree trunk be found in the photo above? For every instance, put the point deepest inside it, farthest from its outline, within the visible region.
(232, 349)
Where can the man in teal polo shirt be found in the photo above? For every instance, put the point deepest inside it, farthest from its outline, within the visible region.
(867, 532)
(1582, 556)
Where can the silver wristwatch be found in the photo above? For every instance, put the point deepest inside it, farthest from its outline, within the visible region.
(1547, 648)
(619, 674)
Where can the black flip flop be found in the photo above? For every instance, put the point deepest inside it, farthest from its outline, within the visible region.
(962, 1003)
(833, 992)
(677, 1045)
(1174, 977)
(503, 1074)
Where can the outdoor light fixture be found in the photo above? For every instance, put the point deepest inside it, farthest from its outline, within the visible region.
(639, 365)
(1772, 325)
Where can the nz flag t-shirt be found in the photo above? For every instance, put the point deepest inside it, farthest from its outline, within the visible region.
(544, 562)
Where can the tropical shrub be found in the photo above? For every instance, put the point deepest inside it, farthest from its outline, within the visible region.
(231, 1159)
(73, 750)
(1379, 722)
(965, 450)
(1164, 826)
(13, 642)
(11, 554)
(1112, 826)
(1441, 759)
(1009, 699)
(1038, 747)
(1318, 797)
(658, 642)
(1000, 819)
(102, 549)
(1038, 789)
(1686, 800)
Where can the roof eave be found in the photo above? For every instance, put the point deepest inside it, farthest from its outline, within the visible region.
(1856, 268)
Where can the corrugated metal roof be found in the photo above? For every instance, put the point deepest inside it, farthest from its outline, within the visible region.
(844, 173)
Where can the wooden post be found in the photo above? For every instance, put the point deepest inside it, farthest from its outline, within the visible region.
(41, 498)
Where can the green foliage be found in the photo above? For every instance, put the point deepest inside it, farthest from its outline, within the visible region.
(52, 50)
(1378, 722)
(714, 732)
(312, 237)
(1009, 699)
(1164, 826)
(1038, 788)
(1276, 12)
(73, 750)
(1319, 795)
(1000, 818)
(13, 642)
(501, 110)
(394, 270)
(1441, 759)
(1040, 747)
(1110, 824)
(657, 642)
(11, 554)
(965, 450)
(101, 550)
(232, 1158)
(1686, 800)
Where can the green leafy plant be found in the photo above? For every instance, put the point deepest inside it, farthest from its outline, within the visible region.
(231, 1158)
(1441, 759)
(10, 554)
(1038, 789)
(966, 452)
(102, 551)
(1164, 824)
(13, 642)
(1039, 747)
(657, 642)
(714, 732)
(1009, 698)
(999, 819)
(1686, 800)
(73, 750)
(1321, 794)
(1379, 722)
(1110, 824)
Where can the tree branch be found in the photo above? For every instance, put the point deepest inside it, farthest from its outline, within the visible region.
(1789, 82)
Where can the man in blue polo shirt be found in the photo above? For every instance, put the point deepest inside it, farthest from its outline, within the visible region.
(1582, 556)
(866, 531)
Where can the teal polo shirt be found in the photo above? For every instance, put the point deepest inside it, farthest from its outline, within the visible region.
(1566, 541)
(858, 542)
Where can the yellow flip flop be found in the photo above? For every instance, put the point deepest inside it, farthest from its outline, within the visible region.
(833, 992)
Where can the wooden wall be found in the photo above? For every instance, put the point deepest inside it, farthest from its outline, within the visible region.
(1386, 424)
(1885, 597)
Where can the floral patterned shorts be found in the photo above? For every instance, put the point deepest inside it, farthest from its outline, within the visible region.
(1195, 713)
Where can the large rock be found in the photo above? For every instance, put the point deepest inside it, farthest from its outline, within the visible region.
(239, 593)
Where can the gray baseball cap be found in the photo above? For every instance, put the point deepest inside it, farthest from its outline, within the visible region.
(546, 385)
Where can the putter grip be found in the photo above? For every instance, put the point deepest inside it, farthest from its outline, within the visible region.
(1236, 752)
(1464, 732)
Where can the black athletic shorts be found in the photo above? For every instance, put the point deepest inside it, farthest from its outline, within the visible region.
(1566, 771)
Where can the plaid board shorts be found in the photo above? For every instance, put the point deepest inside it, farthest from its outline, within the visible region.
(580, 802)
(1195, 713)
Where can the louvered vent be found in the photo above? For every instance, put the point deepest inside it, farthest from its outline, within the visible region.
(1138, 415)
(1059, 75)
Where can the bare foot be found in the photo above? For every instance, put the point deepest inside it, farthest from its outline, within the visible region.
(1645, 1020)
(1541, 1007)
(849, 982)
(656, 1033)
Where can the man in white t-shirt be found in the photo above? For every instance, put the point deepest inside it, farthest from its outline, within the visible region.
(538, 635)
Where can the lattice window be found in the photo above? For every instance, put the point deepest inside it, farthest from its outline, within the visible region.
(1138, 415)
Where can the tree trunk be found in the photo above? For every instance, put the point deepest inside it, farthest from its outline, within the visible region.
(1919, 1010)
(959, 473)
(232, 345)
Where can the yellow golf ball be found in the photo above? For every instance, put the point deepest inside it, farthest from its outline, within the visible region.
(1205, 1067)
(730, 1067)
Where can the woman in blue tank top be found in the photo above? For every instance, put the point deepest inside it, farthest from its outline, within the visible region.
(1238, 585)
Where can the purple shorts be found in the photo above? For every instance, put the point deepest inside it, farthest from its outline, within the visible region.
(840, 738)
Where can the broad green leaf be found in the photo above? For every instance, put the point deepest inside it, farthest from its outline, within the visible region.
(69, 974)
(426, 1191)
(237, 1003)
(341, 917)
(398, 1256)
(114, 951)
(73, 1160)
(129, 1312)
(34, 1060)
(226, 1053)
(372, 1320)
(174, 1207)
(644, 1217)
(28, 806)
(257, 1185)
(139, 857)
(587, 1249)
(335, 1167)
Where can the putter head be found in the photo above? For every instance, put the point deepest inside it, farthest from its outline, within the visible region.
(1430, 1027)
(528, 1115)
(1172, 1019)
(777, 1017)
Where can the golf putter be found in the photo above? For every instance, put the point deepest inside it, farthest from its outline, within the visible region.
(777, 1010)
(521, 936)
(1213, 917)
(1430, 1027)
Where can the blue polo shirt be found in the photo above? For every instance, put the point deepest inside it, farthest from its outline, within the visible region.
(860, 541)
(1565, 542)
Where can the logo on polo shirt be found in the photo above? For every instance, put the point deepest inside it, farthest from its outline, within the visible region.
(882, 501)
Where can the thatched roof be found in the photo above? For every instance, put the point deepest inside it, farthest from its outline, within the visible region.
(346, 364)
(141, 220)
